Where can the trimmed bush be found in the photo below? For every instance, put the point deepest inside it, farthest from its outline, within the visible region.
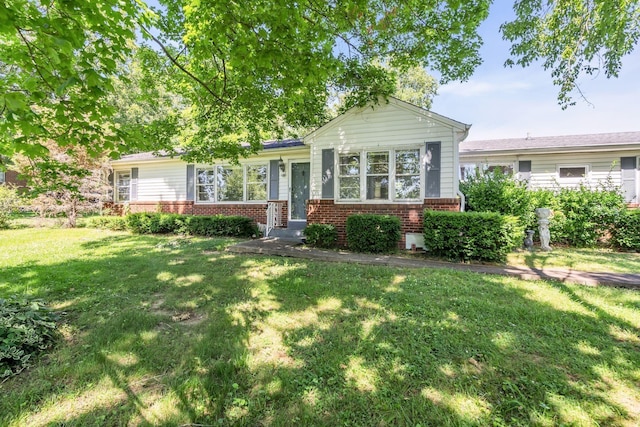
(321, 235)
(26, 329)
(215, 225)
(220, 225)
(373, 233)
(626, 233)
(466, 236)
(115, 223)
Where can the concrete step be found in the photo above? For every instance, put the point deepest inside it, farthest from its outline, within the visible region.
(287, 234)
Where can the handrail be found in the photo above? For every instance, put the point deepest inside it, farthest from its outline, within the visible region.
(274, 217)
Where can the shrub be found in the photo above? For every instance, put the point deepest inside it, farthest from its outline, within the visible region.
(221, 225)
(626, 232)
(9, 203)
(482, 236)
(373, 233)
(321, 235)
(115, 223)
(499, 192)
(583, 216)
(216, 225)
(26, 329)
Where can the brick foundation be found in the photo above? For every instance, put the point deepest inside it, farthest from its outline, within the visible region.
(256, 211)
(329, 212)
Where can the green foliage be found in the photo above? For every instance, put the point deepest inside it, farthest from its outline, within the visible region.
(582, 216)
(321, 235)
(466, 236)
(221, 225)
(373, 233)
(498, 192)
(573, 38)
(9, 203)
(26, 329)
(626, 232)
(115, 223)
(197, 225)
(57, 61)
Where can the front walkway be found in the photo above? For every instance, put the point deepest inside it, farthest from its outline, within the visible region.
(280, 247)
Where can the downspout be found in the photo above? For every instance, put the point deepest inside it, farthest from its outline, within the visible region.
(463, 199)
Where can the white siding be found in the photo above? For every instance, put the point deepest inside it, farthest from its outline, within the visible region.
(160, 181)
(544, 167)
(385, 127)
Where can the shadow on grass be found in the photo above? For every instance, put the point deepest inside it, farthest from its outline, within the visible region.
(166, 331)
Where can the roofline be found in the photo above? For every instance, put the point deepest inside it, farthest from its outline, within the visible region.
(548, 150)
(389, 100)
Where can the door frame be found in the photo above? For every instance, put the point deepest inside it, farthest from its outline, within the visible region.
(290, 187)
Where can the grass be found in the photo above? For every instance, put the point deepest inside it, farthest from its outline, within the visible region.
(590, 259)
(174, 331)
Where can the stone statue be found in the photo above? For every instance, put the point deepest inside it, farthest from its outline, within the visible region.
(528, 241)
(543, 215)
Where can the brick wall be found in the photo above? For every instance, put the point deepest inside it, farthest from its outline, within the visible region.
(256, 211)
(329, 212)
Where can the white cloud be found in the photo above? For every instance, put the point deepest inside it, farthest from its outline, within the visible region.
(473, 88)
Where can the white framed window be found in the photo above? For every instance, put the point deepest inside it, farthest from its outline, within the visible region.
(377, 185)
(467, 170)
(572, 172)
(505, 168)
(349, 176)
(123, 186)
(257, 177)
(387, 175)
(231, 183)
(407, 177)
(205, 184)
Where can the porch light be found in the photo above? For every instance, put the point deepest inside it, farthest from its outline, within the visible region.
(281, 165)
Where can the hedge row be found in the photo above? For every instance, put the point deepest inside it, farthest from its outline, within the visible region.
(373, 233)
(321, 235)
(626, 233)
(158, 223)
(482, 236)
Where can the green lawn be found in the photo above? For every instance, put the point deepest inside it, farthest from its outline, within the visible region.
(594, 260)
(174, 331)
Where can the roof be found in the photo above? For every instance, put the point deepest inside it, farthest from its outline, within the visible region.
(163, 154)
(398, 103)
(551, 143)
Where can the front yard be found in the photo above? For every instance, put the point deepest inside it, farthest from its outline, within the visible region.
(175, 331)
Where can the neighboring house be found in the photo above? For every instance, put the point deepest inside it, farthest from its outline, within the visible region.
(549, 162)
(11, 178)
(394, 158)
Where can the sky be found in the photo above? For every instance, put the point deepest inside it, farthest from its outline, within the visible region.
(504, 102)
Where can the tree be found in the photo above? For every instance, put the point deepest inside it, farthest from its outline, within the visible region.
(67, 182)
(253, 69)
(573, 38)
(56, 64)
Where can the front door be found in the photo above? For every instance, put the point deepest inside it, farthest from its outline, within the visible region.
(299, 191)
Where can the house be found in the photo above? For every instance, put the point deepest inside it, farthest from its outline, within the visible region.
(392, 158)
(10, 177)
(561, 161)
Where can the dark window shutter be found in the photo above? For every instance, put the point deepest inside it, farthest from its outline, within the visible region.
(432, 169)
(628, 167)
(274, 179)
(191, 185)
(524, 169)
(327, 173)
(134, 184)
